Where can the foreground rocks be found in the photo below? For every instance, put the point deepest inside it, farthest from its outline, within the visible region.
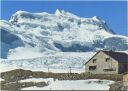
(11, 79)
(119, 86)
(15, 86)
(20, 74)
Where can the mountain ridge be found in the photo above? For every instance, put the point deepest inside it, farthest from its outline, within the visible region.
(60, 32)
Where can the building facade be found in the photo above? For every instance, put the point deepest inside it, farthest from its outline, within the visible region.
(107, 62)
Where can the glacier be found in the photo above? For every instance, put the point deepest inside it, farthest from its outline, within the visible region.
(34, 38)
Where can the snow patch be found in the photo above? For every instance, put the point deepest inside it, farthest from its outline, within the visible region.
(91, 84)
(24, 53)
(37, 80)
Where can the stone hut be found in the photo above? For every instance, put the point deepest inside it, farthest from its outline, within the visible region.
(107, 62)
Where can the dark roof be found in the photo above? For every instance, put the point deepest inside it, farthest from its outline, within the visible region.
(118, 56)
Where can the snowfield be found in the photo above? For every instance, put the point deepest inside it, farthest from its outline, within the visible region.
(90, 84)
(57, 62)
(37, 80)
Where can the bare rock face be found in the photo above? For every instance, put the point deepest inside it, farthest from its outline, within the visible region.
(119, 86)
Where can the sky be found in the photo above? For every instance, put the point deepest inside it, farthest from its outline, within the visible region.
(113, 12)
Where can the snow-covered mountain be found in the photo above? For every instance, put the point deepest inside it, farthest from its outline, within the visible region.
(36, 40)
(63, 32)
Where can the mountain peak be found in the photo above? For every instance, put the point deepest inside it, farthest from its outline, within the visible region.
(20, 12)
(59, 12)
(16, 16)
(96, 18)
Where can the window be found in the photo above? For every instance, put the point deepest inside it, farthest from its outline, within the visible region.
(92, 67)
(109, 69)
(94, 60)
(107, 59)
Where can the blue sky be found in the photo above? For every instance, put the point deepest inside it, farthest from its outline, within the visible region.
(113, 12)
